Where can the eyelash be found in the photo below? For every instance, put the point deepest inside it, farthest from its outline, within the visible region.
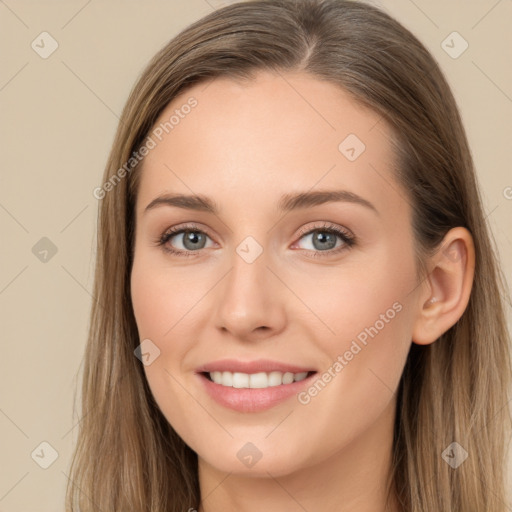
(349, 240)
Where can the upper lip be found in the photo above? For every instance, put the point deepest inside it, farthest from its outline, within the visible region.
(259, 365)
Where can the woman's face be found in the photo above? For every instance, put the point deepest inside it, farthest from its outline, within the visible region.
(266, 279)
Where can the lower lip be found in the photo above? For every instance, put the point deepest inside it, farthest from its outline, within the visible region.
(252, 400)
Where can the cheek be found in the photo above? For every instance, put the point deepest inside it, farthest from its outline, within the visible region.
(162, 301)
(163, 309)
(366, 298)
(365, 361)
(151, 304)
(160, 313)
(369, 312)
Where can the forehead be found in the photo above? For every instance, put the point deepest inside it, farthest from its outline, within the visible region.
(247, 141)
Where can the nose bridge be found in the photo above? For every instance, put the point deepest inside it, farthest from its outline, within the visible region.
(248, 278)
(248, 299)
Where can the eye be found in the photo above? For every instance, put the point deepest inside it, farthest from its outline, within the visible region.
(190, 237)
(324, 239)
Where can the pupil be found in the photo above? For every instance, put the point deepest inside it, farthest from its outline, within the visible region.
(323, 238)
(193, 237)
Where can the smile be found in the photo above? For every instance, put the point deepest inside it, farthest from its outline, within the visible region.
(259, 380)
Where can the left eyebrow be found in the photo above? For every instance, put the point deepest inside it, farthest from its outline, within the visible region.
(287, 202)
(290, 202)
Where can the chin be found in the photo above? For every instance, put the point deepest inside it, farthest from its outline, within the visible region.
(249, 460)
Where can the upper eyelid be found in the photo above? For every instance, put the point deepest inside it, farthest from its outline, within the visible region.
(175, 230)
(327, 226)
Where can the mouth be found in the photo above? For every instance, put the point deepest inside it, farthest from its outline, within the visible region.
(260, 380)
(253, 392)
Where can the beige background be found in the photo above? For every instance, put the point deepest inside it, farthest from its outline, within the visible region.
(58, 119)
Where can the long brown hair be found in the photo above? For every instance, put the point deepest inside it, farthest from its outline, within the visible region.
(128, 458)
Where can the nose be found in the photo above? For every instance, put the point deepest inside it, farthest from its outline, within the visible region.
(251, 300)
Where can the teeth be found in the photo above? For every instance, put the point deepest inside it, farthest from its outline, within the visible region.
(256, 380)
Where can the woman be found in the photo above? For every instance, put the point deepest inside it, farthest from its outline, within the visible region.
(370, 373)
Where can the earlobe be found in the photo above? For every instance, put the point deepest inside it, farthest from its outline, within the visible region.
(447, 288)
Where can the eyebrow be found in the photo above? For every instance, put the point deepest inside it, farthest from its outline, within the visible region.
(287, 202)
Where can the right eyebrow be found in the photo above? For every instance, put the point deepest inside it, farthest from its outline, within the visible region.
(188, 202)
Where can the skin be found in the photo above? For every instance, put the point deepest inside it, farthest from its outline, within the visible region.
(244, 145)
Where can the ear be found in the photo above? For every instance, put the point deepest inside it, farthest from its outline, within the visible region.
(446, 290)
